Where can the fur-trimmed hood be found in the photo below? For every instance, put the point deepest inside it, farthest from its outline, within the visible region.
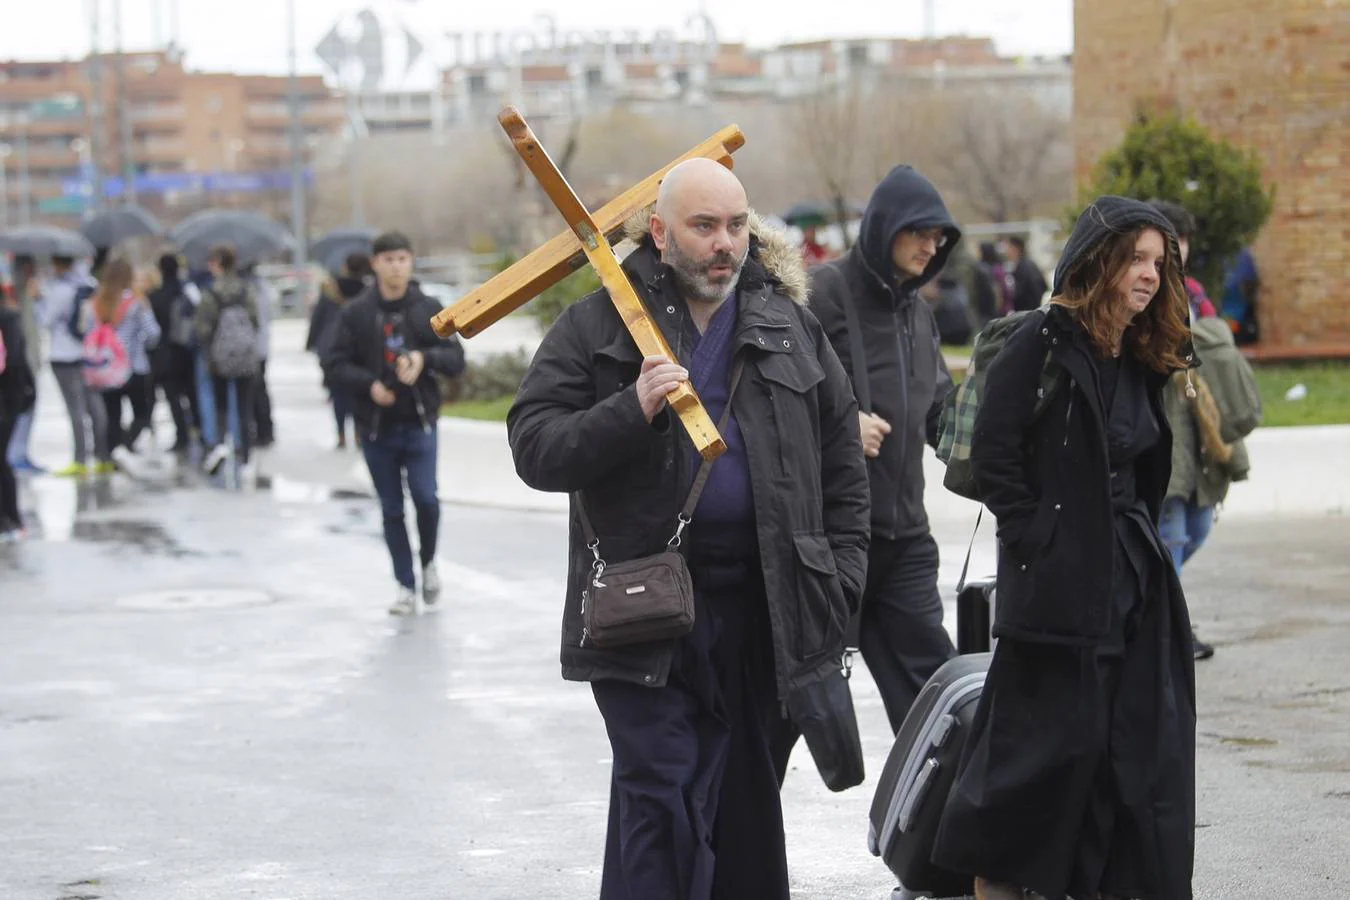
(780, 259)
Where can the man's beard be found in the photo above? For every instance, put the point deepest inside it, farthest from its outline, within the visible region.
(692, 275)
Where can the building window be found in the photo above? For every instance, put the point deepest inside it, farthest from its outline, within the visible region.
(595, 77)
(477, 85)
(857, 55)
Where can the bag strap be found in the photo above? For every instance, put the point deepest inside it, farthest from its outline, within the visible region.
(965, 568)
(862, 389)
(695, 492)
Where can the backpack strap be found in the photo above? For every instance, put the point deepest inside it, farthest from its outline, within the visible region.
(862, 389)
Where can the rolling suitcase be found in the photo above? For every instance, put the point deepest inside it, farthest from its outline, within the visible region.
(921, 767)
(918, 776)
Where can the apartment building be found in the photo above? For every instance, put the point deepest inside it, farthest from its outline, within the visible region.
(185, 139)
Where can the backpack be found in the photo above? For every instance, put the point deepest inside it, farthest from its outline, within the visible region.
(956, 425)
(1230, 379)
(82, 293)
(107, 365)
(234, 345)
(182, 330)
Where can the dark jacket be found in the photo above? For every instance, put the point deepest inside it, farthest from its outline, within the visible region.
(906, 374)
(18, 387)
(1028, 285)
(576, 425)
(353, 357)
(332, 298)
(1047, 478)
(1048, 482)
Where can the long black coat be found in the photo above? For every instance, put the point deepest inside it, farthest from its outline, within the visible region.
(1032, 764)
(1048, 482)
(577, 425)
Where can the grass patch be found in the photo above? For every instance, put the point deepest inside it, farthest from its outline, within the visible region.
(1327, 403)
(483, 410)
(1328, 400)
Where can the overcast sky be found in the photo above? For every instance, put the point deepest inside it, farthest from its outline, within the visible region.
(251, 35)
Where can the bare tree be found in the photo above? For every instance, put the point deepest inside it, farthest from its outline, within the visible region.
(1006, 155)
(827, 131)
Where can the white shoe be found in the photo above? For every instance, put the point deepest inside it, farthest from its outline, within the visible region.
(248, 476)
(405, 602)
(125, 460)
(431, 584)
(216, 458)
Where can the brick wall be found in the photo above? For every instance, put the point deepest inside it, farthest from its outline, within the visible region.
(1273, 75)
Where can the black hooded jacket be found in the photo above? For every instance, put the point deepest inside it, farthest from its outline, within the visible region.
(906, 377)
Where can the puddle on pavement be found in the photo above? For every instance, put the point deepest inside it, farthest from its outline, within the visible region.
(288, 490)
(1249, 741)
(190, 599)
(147, 537)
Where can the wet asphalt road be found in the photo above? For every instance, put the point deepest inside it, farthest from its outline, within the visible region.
(201, 696)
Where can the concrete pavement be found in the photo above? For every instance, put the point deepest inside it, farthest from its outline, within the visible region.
(201, 696)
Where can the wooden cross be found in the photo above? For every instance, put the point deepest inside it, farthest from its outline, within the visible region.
(589, 239)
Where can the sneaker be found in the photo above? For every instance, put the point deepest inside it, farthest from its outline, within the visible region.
(216, 458)
(124, 459)
(104, 468)
(13, 536)
(1202, 650)
(431, 584)
(28, 467)
(248, 476)
(405, 602)
(74, 470)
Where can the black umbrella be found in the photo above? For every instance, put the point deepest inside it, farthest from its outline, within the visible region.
(45, 241)
(108, 229)
(332, 250)
(253, 236)
(806, 214)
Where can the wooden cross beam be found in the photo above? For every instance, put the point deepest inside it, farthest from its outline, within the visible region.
(588, 239)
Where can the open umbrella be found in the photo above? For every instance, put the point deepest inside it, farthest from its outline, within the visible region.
(806, 214)
(110, 228)
(253, 236)
(45, 241)
(332, 250)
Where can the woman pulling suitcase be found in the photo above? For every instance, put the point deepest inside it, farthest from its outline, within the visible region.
(1078, 777)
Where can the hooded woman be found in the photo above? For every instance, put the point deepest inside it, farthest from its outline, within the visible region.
(337, 292)
(1078, 777)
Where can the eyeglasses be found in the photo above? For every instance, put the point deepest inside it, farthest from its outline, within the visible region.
(936, 235)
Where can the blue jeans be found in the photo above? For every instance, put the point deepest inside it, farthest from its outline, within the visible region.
(407, 449)
(16, 448)
(1184, 526)
(206, 403)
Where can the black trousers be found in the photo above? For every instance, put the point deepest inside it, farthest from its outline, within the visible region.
(901, 637)
(9, 488)
(263, 430)
(136, 390)
(174, 376)
(694, 808)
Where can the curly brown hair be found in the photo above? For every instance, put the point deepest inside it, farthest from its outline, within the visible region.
(1158, 334)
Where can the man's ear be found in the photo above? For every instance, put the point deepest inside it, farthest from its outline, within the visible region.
(658, 229)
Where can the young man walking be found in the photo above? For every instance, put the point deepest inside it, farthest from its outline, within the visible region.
(383, 354)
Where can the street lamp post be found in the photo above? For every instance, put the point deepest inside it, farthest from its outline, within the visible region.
(5, 151)
(25, 187)
(298, 225)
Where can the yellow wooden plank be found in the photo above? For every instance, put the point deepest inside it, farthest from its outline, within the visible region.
(549, 263)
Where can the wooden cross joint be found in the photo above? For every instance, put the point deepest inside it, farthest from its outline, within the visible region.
(588, 238)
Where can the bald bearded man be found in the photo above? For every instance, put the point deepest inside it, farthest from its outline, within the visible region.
(776, 548)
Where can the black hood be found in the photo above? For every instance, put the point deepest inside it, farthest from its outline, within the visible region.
(1104, 217)
(904, 200)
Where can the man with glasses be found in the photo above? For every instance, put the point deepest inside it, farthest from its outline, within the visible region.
(887, 339)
